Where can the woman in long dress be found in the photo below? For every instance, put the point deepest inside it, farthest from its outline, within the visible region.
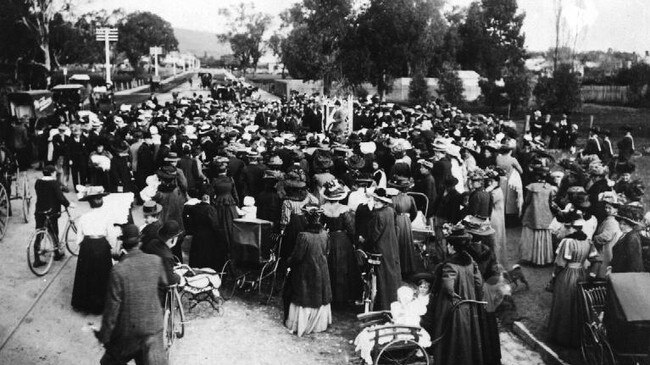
(405, 212)
(339, 221)
(457, 278)
(565, 322)
(172, 200)
(291, 216)
(536, 242)
(510, 183)
(311, 295)
(498, 218)
(382, 239)
(94, 263)
(225, 202)
(200, 222)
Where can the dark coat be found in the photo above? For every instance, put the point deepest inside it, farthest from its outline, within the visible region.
(383, 238)
(427, 186)
(310, 278)
(625, 148)
(627, 254)
(480, 204)
(441, 171)
(463, 343)
(200, 221)
(252, 177)
(157, 247)
(49, 196)
(132, 309)
(448, 206)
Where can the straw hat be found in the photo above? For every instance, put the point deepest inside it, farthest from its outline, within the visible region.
(401, 182)
(87, 193)
(150, 207)
(632, 214)
(380, 194)
(335, 191)
(478, 225)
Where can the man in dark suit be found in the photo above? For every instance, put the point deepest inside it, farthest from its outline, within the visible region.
(78, 147)
(132, 323)
(49, 200)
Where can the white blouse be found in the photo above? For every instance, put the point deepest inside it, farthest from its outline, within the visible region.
(94, 223)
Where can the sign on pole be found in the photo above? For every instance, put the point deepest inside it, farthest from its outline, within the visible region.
(107, 35)
(155, 51)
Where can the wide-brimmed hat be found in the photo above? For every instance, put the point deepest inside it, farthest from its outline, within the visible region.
(323, 162)
(86, 193)
(625, 167)
(440, 145)
(380, 194)
(582, 201)
(400, 182)
(275, 161)
(150, 207)
(335, 191)
(458, 237)
(632, 214)
(172, 157)
(478, 225)
(169, 230)
(294, 180)
(271, 175)
(312, 209)
(609, 197)
(427, 276)
(356, 162)
(477, 175)
(425, 163)
(167, 172)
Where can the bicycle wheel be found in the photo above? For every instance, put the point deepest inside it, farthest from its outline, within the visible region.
(4, 211)
(178, 316)
(27, 197)
(70, 238)
(40, 252)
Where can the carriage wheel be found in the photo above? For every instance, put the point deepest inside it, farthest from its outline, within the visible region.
(43, 254)
(267, 280)
(400, 352)
(70, 238)
(229, 280)
(591, 346)
(4, 211)
(27, 198)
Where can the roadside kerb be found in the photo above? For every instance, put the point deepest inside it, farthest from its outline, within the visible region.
(548, 355)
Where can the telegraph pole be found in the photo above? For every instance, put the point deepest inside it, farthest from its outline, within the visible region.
(107, 35)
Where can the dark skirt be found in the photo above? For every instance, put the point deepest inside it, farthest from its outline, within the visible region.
(91, 277)
(343, 270)
(407, 256)
(564, 322)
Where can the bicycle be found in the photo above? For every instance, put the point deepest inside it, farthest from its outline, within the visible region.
(369, 261)
(174, 316)
(43, 245)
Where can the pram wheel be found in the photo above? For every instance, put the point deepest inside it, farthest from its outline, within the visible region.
(402, 351)
(229, 280)
(267, 281)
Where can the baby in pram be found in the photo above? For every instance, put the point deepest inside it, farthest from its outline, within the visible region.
(406, 311)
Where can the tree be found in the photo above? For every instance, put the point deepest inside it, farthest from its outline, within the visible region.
(517, 87)
(141, 30)
(561, 93)
(393, 38)
(450, 85)
(245, 33)
(418, 89)
(275, 43)
(312, 48)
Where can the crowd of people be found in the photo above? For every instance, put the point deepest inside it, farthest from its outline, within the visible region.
(196, 164)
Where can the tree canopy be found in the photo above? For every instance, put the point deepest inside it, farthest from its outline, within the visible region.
(141, 30)
(245, 34)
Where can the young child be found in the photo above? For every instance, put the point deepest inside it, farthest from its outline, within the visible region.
(249, 210)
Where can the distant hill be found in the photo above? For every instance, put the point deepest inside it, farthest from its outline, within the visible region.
(200, 43)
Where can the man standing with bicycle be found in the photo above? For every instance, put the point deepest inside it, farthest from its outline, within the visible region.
(132, 323)
(49, 199)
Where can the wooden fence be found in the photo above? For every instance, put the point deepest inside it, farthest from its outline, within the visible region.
(605, 94)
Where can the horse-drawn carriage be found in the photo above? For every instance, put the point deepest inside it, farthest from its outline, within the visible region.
(14, 184)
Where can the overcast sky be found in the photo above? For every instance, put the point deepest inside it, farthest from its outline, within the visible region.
(601, 24)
